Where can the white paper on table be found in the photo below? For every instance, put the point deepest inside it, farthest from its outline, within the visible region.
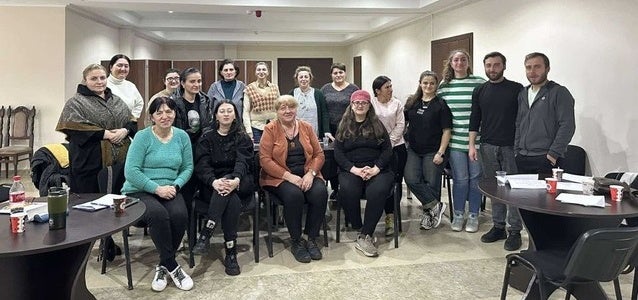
(523, 176)
(575, 178)
(570, 186)
(584, 200)
(527, 184)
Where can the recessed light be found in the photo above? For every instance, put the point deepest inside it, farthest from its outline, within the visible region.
(170, 11)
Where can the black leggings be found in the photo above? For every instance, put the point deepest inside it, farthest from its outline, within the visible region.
(375, 191)
(225, 210)
(293, 200)
(167, 220)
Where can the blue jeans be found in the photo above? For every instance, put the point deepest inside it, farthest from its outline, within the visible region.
(466, 174)
(500, 158)
(423, 178)
(256, 134)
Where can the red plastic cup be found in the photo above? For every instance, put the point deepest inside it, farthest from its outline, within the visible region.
(17, 222)
(616, 192)
(551, 185)
(119, 203)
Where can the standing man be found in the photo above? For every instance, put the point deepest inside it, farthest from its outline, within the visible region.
(545, 121)
(494, 108)
(171, 82)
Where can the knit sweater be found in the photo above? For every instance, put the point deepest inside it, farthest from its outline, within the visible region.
(458, 95)
(392, 117)
(129, 94)
(151, 163)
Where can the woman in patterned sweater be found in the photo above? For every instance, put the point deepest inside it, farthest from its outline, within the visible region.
(456, 89)
(259, 102)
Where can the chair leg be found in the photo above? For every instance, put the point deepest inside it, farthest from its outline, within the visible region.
(325, 231)
(103, 255)
(634, 288)
(192, 229)
(338, 226)
(506, 279)
(269, 224)
(449, 198)
(127, 257)
(256, 228)
(397, 214)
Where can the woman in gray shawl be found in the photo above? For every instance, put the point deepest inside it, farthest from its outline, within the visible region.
(97, 125)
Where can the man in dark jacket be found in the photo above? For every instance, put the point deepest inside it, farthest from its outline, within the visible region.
(545, 120)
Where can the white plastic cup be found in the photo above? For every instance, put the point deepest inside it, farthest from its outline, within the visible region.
(557, 173)
(501, 178)
(588, 186)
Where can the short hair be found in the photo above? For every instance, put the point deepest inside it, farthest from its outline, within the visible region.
(187, 72)
(537, 54)
(286, 100)
(379, 82)
(90, 68)
(495, 54)
(301, 69)
(337, 65)
(169, 71)
(225, 62)
(116, 57)
(155, 105)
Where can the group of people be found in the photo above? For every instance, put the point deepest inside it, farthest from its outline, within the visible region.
(205, 142)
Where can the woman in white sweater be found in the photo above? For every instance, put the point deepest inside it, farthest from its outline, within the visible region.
(126, 90)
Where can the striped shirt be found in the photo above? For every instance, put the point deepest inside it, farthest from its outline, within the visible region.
(458, 95)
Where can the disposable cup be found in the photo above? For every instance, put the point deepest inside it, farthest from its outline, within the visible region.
(551, 185)
(501, 178)
(616, 192)
(557, 173)
(17, 222)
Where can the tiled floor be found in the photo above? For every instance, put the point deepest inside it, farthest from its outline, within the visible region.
(433, 264)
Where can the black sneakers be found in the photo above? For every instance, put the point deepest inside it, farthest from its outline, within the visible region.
(313, 250)
(230, 261)
(495, 234)
(203, 241)
(299, 251)
(513, 241)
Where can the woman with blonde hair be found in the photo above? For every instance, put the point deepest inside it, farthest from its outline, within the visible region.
(259, 101)
(312, 104)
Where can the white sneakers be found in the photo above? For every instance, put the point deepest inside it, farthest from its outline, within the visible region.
(180, 278)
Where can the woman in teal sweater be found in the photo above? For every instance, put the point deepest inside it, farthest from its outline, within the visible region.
(158, 163)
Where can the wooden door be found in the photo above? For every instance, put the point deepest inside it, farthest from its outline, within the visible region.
(156, 78)
(251, 66)
(286, 71)
(440, 50)
(209, 74)
(356, 64)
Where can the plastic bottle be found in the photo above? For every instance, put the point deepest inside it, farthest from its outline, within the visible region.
(16, 196)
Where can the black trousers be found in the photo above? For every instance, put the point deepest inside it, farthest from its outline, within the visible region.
(375, 190)
(167, 220)
(293, 200)
(538, 164)
(225, 210)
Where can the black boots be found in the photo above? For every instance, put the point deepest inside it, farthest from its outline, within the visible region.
(230, 262)
(203, 241)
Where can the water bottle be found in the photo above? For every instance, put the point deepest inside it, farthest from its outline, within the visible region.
(16, 195)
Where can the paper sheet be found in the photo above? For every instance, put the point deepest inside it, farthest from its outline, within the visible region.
(527, 184)
(523, 176)
(584, 200)
(570, 186)
(575, 178)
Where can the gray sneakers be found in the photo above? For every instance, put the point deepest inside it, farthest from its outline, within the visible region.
(472, 223)
(426, 220)
(366, 245)
(457, 221)
(436, 213)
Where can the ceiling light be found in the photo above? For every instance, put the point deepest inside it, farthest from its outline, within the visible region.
(170, 11)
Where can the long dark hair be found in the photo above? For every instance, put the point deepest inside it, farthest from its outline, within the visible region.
(370, 128)
(418, 95)
(236, 127)
(183, 75)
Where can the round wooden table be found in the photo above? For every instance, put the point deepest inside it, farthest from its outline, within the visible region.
(50, 264)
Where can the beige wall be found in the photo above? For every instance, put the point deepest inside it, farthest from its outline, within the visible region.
(590, 45)
(33, 61)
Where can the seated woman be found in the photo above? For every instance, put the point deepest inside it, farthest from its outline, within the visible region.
(159, 162)
(223, 157)
(363, 152)
(291, 160)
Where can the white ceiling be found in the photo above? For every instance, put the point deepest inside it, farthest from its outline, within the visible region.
(327, 22)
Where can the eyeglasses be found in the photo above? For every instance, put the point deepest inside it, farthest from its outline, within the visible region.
(360, 103)
(172, 78)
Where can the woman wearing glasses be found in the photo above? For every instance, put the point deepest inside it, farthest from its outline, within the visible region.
(363, 152)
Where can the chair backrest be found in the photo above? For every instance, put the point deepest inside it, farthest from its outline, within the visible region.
(20, 125)
(602, 254)
(621, 175)
(575, 160)
(111, 179)
(3, 112)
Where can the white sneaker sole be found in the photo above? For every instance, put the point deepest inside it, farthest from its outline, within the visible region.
(440, 215)
(368, 254)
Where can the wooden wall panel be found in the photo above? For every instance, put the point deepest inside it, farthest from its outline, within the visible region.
(357, 71)
(182, 65)
(251, 66)
(209, 74)
(286, 69)
(441, 50)
(156, 78)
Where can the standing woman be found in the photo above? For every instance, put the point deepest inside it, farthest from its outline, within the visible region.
(222, 164)
(97, 125)
(389, 110)
(312, 104)
(192, 114)
(291, 159)
(337, 94)
(228, 87)
(259, 104)
(126, 90)
(456, 89)
(159, 162)
(429, 123)
(363, 151)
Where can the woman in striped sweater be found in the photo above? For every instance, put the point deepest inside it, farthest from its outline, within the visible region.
(456, 89)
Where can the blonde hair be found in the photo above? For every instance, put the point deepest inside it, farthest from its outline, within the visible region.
(286, 100)
(301, 69)
(90, 68)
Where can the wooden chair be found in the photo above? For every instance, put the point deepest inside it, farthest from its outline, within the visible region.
(19, 142)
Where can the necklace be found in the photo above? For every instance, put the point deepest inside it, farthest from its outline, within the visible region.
(290, 137)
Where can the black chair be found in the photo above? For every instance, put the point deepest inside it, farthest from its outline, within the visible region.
(397, 220)
(271, 201)
(199, 210)
(446, 173)
(575, 160)
(599, 255)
